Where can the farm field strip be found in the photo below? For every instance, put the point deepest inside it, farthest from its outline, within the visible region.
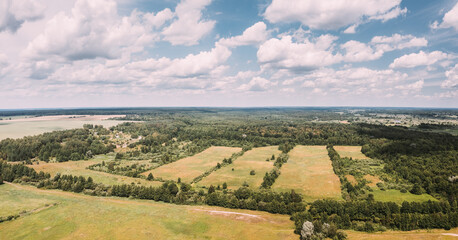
(309, 171)
(255, 159)
(433, 234)
(78, 168)
(79, 216)
(191, 167)
(350, 152)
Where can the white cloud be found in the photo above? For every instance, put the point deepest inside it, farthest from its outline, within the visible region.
(188, 28)
(450, 19)
(358, 52)
(394, 13)
(157, 20)
(93, 29)
(14, 13)
(418, 59)
(331, 15)
(452, 78)
(253, 35)
(397, 41)
(308, 55)
(257, 84)
(411, 88)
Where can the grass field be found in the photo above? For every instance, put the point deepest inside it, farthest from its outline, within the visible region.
(191, 167)
(350, 152)
(435, 234)
(21, 127)
(78, 216)
(78, 168)
(393, 195)
(309, 171)
(351, 179)
(254, 159)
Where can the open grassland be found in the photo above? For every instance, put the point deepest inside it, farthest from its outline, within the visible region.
(373, 180)
(78, 168)
(78, 216)
(350, 152)
(191, 167)
(254, 159)
(435, 234)
(309, 171)
(351, 179)
(21, 127)
(393, 195)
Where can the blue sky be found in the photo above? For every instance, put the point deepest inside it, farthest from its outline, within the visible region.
(112, 53)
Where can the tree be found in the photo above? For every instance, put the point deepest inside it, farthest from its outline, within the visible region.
(150, 177)
(211, 189)
(307, 230)
(224, 185)
(1, 179)
(252, 172)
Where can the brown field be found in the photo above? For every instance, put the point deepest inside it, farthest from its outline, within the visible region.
(254, 159)
(309, 171)
(400, 235)
(78, 168)
(191, 167)
(351, 179)
(373, 180)
(350, 151)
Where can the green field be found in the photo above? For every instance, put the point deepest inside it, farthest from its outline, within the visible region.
(191, 167)
(350, 152)
(78, 168)
(21, 127)
(78, 216)
(393, 195)
(254, 159)
(309, 172)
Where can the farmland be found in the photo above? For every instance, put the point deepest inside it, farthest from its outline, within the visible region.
(79, 168)
(350, 152)
(78, 216)
(238, 173)
(309, 171)
(400, 235)
(191, 167)
(26, 126)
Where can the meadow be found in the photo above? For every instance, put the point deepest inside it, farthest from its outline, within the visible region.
(394, 195)
(309, 172)
(23, 126)
(76, 216)
(431, 234)
(79, 168)
(191, 167)
(238, 173)
(350, 152)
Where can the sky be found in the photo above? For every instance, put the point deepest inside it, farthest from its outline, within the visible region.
(228, 53)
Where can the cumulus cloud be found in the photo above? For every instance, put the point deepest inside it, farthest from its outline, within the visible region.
(189, 27)
(327, 15)
(418, 59)
(257, 84)
(452, 78)
(303, 56)
(450, 19)
(253, 35)
(357, 52)
(14, 13)
(157, 20)
(93, 29)
(398, 41)
(411, 88)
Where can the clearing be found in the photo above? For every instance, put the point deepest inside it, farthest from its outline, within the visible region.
(309, 171)
(430, 234)
(191, 167)
(350, 152)
(78, 216)
(254, 159)
(394, 195)
(78, 168)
